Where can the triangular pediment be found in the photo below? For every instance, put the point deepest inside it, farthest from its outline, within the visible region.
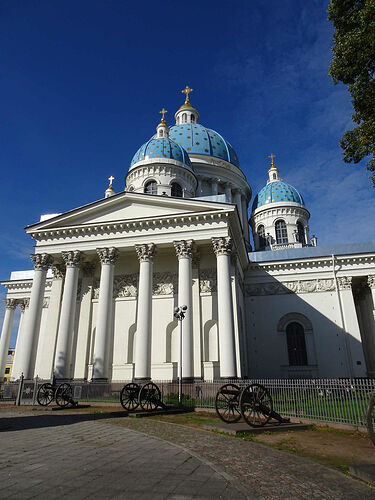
(126, 207)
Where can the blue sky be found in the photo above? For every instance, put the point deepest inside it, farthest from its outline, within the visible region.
(82, 83)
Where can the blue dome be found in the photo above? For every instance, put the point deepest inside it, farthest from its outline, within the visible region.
(161, 147)
(277, 191)
(200, 140)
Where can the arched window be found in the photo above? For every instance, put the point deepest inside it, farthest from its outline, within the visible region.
(176, 190)
(274, 176)
(151, 187)
(184, 118)
(261, 237)
(178, 120)
(301, 233)
(281, 234)
(192, 117)
(295, 337)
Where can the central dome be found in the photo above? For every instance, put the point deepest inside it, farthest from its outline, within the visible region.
(197, 139)
(161, 148)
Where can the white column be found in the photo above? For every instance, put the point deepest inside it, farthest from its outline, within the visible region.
(10, 306)
(48, 346)
(144, 313)
(214, 186)
(31, 329)
(68, 307)
(245, 218)
(222, 249)
(238, 202)
(228, 192)
(24, 306)
(108, 257)
(184, 252)
(84, 324)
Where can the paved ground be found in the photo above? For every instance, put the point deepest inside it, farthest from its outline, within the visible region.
(51, 455)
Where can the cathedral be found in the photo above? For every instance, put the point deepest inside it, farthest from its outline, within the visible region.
(99, 303)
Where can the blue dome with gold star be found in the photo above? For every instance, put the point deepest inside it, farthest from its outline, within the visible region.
(277, 191)
(162, 147)
(197, 139)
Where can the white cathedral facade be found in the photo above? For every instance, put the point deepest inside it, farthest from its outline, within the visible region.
(107, 276)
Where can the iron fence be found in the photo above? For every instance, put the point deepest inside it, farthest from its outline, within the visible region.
(341, 401)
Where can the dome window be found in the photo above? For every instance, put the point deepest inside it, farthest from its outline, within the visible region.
(151, 187)
(262, 242)
(301, 233)
(281, 232)
(176, 190)
(192, 118)
(184, 118)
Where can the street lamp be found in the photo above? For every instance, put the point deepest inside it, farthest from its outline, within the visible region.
(179, 314)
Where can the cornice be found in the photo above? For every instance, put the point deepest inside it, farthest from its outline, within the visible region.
(17, 285)
(130, 226)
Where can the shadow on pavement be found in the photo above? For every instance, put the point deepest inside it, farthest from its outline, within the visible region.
(18, 423)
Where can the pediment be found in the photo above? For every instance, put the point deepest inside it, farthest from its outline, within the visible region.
(125, 207)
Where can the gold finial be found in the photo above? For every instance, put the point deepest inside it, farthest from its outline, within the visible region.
(187, 91)
(163, 111)
(111, 179)
(272, 156)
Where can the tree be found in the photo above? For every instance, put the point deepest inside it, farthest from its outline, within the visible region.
(353, 64)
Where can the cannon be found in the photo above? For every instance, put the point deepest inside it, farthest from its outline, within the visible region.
(253, 403)
(147, 396)
(62, 393)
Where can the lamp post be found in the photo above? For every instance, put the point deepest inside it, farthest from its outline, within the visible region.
(179, 314)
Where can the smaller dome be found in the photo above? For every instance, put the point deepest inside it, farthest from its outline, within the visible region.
(162, 147)
(275, 192)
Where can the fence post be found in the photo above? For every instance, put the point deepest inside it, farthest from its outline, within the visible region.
(35, 389)
(20, 388)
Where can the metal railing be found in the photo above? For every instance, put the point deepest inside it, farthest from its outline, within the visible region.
(341, 401)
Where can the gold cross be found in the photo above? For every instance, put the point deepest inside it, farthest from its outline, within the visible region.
(187, 91)
(272, 156)
(111, 179)
(163, 111)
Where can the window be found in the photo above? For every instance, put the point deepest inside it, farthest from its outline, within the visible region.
(184, 118)
(261, 237)
(192, 118)
(151, 187)
(176, 190)
(7, 371)
(295, 337)
(274, 176)
(281, 234)
(301, 233)
(10, 353)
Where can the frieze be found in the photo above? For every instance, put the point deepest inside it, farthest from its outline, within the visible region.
(344, 283)
(208, 280)
(371, 281)
(164, 283)
(125, 285)
(301, 286)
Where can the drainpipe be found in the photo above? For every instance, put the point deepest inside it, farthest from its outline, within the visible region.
(343, 327)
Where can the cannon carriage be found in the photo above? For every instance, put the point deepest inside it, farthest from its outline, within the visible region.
(62, 394)
(253, 403)
(146, 396)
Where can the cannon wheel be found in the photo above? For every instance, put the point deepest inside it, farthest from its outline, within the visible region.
(370, 418)
(129, 396)
(227, 403)
(256, 405)
(149, 397)
(64, 395)
(45, 394)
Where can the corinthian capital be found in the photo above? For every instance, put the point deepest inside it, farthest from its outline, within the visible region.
(23, 303)
(184, 248)
(41, 261)
(58, 271)
(145, 252)
(10, 303)
(345, 283)
(371, 281)
(72, 258)
(222, 246)
(107, 255)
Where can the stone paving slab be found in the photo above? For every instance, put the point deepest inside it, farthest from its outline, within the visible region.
(47, 456)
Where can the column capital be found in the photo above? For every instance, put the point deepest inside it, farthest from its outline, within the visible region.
(72, 258)
(344, 283)
(222, 246)
(58, 271)
(10, 303)
(23, 303)
(41, 261)
(107, 255)
(184, 248)
(371, 281)
(145, 252)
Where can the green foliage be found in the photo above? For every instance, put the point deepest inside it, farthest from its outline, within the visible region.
(354, 65)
